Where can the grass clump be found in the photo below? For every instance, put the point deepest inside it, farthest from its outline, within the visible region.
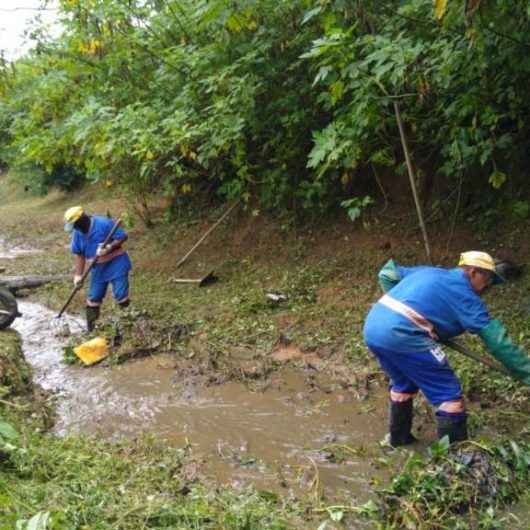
(80, 483)
(15, 373)
(461, 487)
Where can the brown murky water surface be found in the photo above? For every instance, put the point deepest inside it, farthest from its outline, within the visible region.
(267, 438)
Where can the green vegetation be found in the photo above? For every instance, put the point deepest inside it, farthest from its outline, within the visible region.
(284, 103)
(82, 483)
(15, 375)
(472, 481)
(162, 110)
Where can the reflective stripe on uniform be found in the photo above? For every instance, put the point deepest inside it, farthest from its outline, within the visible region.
(408, 312)
(453, 407)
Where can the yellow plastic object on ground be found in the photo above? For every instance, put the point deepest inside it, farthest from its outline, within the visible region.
(92, 351)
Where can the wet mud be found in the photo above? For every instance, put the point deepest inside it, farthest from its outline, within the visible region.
(283, 437)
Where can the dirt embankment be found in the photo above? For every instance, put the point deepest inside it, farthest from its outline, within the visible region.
(20, 398)
(15, 374)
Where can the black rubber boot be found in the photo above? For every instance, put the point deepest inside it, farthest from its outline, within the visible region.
(92, 314)
(401, 423)
(454, 427)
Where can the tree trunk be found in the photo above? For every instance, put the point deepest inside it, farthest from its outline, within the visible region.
(15, 283)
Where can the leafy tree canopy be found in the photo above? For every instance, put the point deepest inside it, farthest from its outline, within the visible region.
(287, 102)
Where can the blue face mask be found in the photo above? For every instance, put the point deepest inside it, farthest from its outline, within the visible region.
(68, 227)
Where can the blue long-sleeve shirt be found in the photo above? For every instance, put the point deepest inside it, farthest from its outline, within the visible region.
(86, 245)
(444, 297)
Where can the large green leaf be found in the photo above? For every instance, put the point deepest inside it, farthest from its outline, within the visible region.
(7, 431)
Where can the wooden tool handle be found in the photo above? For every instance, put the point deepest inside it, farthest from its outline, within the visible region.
(88, 269)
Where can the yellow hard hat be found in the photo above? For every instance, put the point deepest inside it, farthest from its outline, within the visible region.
(481, 260)
(71, 216)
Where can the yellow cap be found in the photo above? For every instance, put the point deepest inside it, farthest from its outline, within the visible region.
(481, 260)
(71, 216)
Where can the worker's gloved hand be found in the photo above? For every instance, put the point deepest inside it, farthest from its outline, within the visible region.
(102, 250)
(504, 350)
(389, 276)
(77, 280)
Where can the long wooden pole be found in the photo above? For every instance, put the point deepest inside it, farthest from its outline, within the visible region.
(206, 234)
(412, 180)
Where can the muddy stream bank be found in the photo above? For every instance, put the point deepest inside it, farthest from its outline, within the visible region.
(272, 439)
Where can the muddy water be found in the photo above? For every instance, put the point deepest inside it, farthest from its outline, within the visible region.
(271, 438)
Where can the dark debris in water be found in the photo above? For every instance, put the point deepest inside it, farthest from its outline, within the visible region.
(479, 469)
(340, 453)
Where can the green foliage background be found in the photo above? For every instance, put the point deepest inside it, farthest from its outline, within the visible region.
(285, 102)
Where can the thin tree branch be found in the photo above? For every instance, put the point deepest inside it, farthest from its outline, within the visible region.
(412, 180)
(383, 192)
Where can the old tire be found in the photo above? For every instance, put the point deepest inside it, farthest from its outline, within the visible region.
(8, 308)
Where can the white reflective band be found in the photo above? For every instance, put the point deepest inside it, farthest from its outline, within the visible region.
(408, 312)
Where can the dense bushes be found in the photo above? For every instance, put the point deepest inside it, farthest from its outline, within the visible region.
(289, 102)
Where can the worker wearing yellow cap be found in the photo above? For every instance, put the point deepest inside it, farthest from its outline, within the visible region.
(421, 307)
(113, 264)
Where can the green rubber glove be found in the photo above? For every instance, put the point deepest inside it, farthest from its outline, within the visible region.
(389, 276)
(504, 350)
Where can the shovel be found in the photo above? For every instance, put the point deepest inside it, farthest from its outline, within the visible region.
(201, 282)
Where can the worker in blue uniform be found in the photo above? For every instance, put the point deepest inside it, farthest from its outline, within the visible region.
(113, 264)
(422, 307)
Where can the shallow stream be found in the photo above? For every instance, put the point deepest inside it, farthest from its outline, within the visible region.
(271, 438)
